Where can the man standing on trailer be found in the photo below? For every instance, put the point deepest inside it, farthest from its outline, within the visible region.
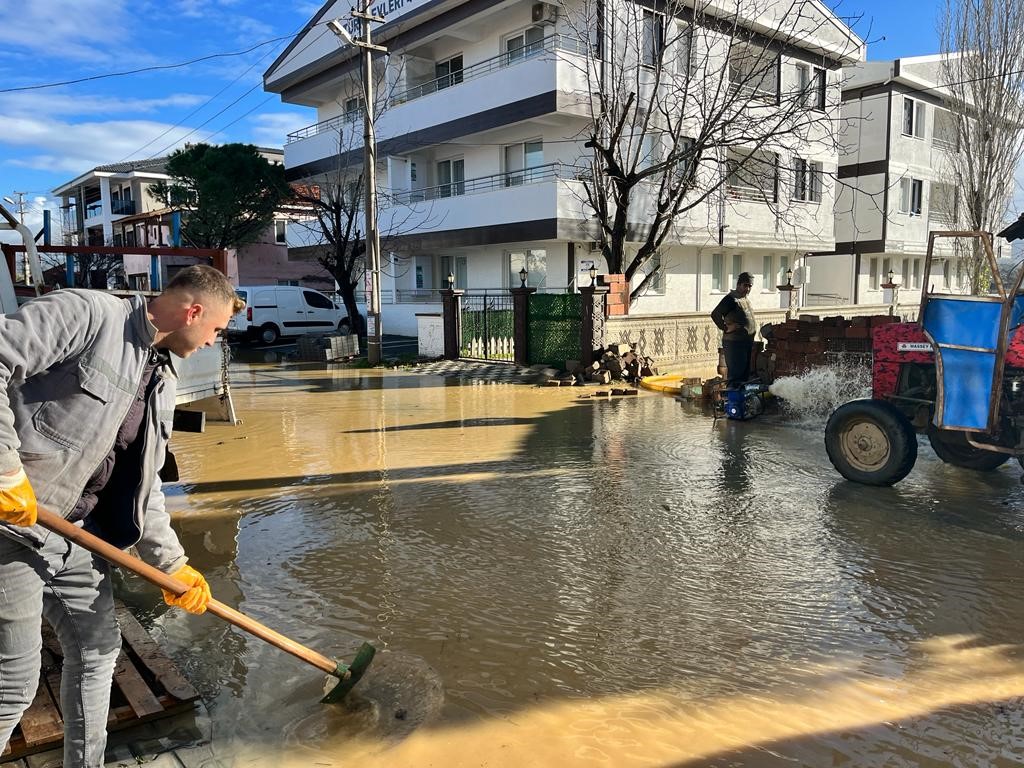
(87, 391)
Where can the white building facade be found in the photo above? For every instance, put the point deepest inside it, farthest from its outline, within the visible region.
(895, 186)
(481, 146)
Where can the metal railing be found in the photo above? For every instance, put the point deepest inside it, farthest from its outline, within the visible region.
(122, 207)
(480, 184)
(94, 209)
(417, 296)
(554, 42)
(324, 125)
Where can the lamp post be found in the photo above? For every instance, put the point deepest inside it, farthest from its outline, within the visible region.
(523, 274)
(593, 275)
(373, 335)
(894, 289)
(451, 281)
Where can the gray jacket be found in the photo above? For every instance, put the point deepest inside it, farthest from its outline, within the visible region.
(70, 364)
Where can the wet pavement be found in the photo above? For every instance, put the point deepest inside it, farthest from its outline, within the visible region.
(593, 582)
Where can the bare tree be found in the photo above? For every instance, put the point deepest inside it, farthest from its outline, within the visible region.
(330, 204)
(690, 111)
(982, 70)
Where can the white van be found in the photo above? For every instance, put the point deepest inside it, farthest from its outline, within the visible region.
(274, 311)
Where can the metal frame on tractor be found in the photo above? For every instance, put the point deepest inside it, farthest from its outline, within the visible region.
(969, 422)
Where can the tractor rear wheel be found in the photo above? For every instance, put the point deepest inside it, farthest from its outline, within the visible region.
(952, 447)
(870, 442)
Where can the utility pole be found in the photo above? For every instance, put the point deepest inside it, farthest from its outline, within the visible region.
(373, 331)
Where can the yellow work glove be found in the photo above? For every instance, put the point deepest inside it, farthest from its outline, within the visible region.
(17, 499)
(195, 600)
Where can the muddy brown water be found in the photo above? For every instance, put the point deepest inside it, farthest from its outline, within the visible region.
(594, 583)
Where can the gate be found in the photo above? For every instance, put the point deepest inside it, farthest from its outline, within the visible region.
(555, 321)
(488, 327)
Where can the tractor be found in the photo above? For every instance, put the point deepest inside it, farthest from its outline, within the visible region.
(956, 375)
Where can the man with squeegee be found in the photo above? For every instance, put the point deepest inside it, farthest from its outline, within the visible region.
(87, 392)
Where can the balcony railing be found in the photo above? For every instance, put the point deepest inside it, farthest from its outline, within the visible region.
(554, 42)
(483, 184)
(324, 126)
(93, 209)
(122, 207)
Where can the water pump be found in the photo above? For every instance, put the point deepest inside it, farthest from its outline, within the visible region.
(745, 401)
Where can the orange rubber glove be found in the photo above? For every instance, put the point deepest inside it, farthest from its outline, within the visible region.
(195, 600)
(17, 499)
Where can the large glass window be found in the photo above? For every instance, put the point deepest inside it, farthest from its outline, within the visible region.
(448, 72)
(536, 263)
(717, 272)
(913, 117)
(754, 72)
(527, 43)
(451, 178)
(519, 159)
(653, 39)
(807, 177)
(911, 196)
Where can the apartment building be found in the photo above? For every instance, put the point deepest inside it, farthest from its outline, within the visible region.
(481, 136)
(895, 185)
(112, 205)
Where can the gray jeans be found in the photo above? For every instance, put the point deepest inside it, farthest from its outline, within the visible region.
(64, 583)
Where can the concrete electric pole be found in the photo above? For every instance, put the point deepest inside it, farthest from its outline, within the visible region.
(373, 330)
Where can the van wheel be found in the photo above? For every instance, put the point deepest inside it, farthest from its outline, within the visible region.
(344, 327)
(870, 442)
(269, 333)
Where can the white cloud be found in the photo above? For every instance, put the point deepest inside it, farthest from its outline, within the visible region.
(61, 147)
(271, 129)
(51, 104)
(79, 30)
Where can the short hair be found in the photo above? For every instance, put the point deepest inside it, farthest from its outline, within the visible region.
(745, 278)
(200, 278)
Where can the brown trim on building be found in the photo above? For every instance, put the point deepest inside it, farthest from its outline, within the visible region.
(506, 114)
(885, 181)
(516, 232)
(858, 247)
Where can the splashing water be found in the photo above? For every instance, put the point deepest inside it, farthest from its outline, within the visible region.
(812, 396)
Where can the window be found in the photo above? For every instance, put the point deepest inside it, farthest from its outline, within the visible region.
(286, 282)
(657, 283)
(682, 47)
(281, 232)
(129, 237)
(354, 106)
(419, 276)
(811, 85)
(905, 273)
(911, 194)
(873, 281)
(754, 72)
(519, 159)
(536, 263)
(653, 39)
(783, 269)
(717, 272)
(768, 272)
(913, 117)
(651, 151)
(915, 274)
(737, 267)
(942, 203)
(946, 285)
(451, 178)
(448, 72)
(886, 269)
(316, 300)
(751, 176)
(806, 180)
(527, 43)
(944, 130)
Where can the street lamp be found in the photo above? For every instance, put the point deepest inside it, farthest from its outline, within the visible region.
(373, 335)
(523, 274)
(451, 282)
(789, 277)
(593, 275)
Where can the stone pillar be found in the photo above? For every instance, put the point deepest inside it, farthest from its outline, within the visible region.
(592, 329)
(451, 301)
(521, 323)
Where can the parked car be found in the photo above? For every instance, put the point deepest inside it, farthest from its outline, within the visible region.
(276, 311)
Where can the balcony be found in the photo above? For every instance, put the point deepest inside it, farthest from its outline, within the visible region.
(123, 207)
(483, 184)
(487, 66)
(489, 85)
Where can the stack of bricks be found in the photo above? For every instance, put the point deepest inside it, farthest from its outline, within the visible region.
(810, 341)
(618, 294)
(327, 349)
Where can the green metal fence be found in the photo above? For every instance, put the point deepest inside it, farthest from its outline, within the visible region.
(554, 321)
(488, 327)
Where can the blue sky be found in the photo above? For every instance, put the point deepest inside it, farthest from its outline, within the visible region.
(51, 135)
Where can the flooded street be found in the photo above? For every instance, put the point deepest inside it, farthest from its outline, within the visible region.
(594, 582)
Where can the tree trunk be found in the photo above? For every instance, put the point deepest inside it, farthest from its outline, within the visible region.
(347, 289)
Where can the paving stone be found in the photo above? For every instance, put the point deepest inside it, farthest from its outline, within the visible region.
(53, 758)
(166, 760)
(201, 756)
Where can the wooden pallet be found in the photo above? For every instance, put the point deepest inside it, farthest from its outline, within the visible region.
(147, 686)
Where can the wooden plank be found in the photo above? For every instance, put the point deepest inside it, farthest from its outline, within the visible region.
(134, 688)
(41, 722)
(150, 654)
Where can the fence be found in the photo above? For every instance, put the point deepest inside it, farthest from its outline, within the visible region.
(554, 323)
(689, 342)
(488, 326)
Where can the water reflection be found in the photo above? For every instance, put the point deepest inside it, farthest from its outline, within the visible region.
(624, 580)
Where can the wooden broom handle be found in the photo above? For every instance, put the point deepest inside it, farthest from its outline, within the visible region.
(98, 546)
